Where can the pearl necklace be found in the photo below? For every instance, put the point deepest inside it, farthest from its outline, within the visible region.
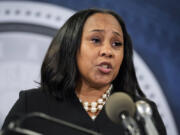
(96, 106)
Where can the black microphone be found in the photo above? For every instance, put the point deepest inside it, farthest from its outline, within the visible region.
(120, 108)
(15, 127)
(144, 112)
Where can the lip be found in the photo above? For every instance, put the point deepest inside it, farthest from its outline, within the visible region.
(103, 69)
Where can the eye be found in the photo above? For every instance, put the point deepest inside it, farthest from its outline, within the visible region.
(116, 43)
(96, 40)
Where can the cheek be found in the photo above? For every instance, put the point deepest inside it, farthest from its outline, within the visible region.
(89, 57)
(85, 62)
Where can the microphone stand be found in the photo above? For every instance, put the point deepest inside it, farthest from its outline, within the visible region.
(144, 112)
(129, 125)
(15, 130)
(17, 125)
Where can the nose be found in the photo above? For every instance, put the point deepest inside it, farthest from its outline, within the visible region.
(106, 51)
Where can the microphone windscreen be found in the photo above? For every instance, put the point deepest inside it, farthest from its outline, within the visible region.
(118, 103)
(143, 108)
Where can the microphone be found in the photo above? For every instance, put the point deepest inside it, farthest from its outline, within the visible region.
(120, 109)
(144, 112)
(15, 127)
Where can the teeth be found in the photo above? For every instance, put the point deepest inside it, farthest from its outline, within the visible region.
(105, 66)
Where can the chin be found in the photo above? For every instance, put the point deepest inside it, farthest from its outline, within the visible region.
(103, 83)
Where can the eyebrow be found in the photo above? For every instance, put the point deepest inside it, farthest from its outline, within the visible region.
(101, 31)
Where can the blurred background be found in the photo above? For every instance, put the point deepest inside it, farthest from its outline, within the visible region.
(27, 28)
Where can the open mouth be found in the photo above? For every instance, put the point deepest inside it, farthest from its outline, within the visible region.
(105, 67)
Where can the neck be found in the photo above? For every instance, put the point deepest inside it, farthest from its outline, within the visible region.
(90, 93)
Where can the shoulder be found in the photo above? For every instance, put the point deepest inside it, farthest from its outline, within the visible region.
(38, 93)
(31, 92)
(36, 97)
(26, 102)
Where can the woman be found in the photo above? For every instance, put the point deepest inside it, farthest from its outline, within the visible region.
(89, 59)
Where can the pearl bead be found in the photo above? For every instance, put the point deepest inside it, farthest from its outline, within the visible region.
(93, 117)
(93, 109)
(103, 103)
(93, 104)
(104, 96)
(86, 108)
(100, 107)
(100, 101)
(86, 103)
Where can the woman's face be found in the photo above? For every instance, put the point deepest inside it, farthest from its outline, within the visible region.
(101, 52)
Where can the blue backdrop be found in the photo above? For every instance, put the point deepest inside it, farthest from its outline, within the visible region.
(154, 27)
